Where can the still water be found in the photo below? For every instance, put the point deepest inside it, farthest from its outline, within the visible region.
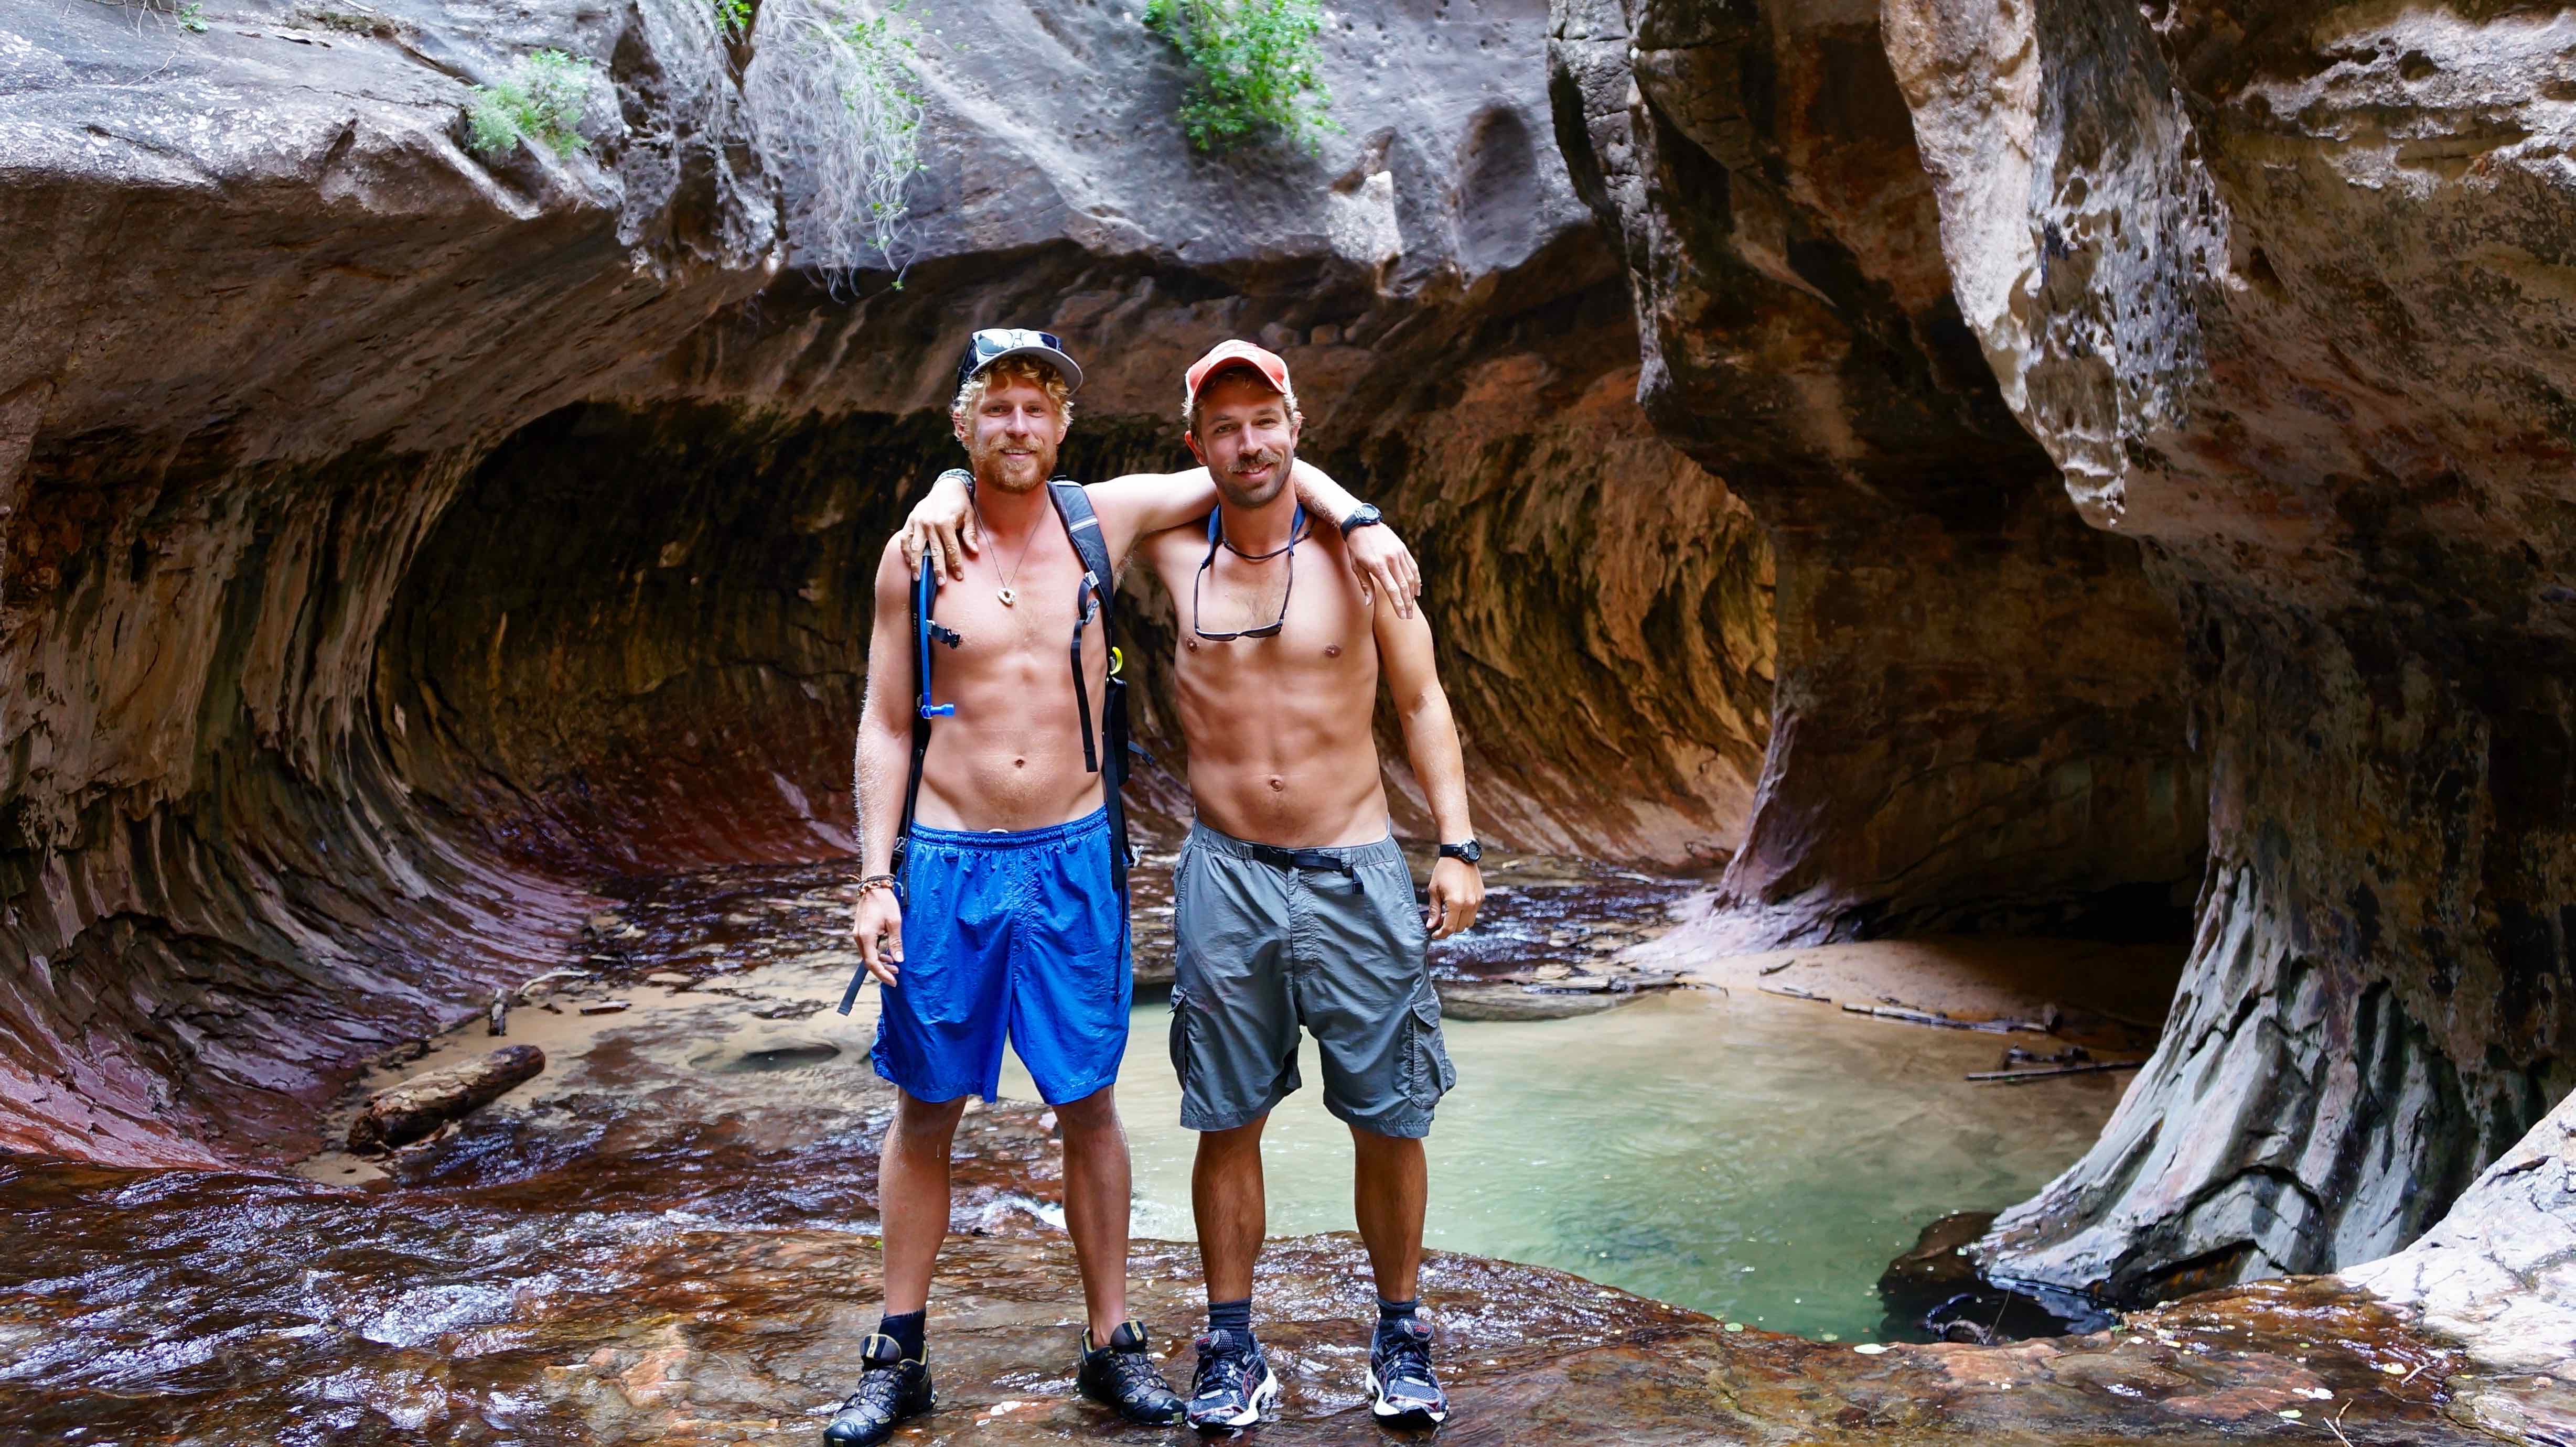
(1754, 1158)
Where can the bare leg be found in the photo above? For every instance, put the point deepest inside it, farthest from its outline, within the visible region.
(1097, 1198)
(912, 1196)
(1389, 1185)
(1226, 1198)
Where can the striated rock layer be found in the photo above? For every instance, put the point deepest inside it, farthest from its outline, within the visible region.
(1978, 719)
(2286, 294)
(392, 540)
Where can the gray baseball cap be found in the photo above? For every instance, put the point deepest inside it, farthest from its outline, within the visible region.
(992, 344)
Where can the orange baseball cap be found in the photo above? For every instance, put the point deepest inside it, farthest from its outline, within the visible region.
(1231, 354)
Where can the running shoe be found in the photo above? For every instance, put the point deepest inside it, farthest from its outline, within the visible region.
(1234, 1386)
(891, 1389)
(1123, 1375)
(1402, 1390)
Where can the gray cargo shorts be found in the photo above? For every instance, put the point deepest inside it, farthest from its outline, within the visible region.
(1328, 939)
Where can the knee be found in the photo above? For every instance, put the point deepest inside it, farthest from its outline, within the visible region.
(922, 1125)
(1244, 1141)
(1388, 1149)
(1093, 1116)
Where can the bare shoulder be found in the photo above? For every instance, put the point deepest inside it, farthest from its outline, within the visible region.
(1172, 546)
(894, 575)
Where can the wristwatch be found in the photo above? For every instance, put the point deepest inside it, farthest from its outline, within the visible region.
(1364, 516)
(1471, 851)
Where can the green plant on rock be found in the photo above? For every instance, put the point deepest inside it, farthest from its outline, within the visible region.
(733, 18)
(192, 17)
(835, 92)
(1252, 69)
(540, 102)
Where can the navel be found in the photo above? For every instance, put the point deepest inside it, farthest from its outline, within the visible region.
(1019, 763)
(1278, 785)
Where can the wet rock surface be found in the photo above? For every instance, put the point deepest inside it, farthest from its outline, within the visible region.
(162, 1304)
(671, 1236)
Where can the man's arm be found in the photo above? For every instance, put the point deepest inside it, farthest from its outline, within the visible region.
(884, 762)
(942, 527)
(1405, 661)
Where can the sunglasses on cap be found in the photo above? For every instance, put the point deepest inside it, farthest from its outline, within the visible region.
(993, 342)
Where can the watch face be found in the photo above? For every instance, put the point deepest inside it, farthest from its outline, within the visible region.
(1471, 851)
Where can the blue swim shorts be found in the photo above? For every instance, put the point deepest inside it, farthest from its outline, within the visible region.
(1019, 933)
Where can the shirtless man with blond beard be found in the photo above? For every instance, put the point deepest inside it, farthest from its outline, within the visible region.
(1008, 916)
(1293, 906)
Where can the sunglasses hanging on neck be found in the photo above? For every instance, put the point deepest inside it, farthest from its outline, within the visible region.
(1216, 540)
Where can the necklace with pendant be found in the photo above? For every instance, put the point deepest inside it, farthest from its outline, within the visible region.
(1007, 593)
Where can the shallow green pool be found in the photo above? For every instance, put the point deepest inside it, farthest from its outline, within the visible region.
(1757, 1159)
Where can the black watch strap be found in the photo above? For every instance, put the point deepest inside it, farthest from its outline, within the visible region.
(1365, 515)
(1470, 851)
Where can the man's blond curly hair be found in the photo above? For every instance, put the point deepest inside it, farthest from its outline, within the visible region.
(970, 395)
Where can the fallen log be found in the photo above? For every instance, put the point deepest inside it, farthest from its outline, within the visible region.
(2087, 1069)
(1912, 1016)
(401, 1114)
(1792, 992)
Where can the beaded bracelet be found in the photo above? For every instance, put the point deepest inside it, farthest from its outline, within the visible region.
(877, 881)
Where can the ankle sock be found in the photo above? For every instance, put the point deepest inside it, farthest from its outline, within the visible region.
(1230, 1316)
(1391, 1312)
(907, 1331)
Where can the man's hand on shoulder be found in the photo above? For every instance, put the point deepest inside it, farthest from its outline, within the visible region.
(1381, 563)
(942, 528)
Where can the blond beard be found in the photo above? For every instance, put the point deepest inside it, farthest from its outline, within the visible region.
(986, 464)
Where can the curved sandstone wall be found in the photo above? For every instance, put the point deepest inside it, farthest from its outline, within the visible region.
(2279, 301)
(1978, 720)
(391, 542)
(2286, 295)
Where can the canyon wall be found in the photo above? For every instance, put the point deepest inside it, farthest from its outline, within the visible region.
(2288, 294)
(2281, 303)
(1978, 719)
(394, 541)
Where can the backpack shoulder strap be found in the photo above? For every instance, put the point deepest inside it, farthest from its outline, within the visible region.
(925, 629)
(1082, 525)
(1104, 752)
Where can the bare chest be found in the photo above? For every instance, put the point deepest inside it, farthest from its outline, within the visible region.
(1014, 627)
(1322, 653)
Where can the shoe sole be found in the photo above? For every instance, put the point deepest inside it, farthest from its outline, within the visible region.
(1264, 1398)
(926, 1408)
(1395, 1416)
(1179, 1414)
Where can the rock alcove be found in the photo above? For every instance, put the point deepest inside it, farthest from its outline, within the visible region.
(1934, 466)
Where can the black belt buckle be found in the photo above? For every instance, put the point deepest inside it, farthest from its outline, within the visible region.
(1279, 858)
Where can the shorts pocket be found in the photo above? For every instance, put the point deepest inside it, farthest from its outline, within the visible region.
(1184, 1026)
(1428, 1075)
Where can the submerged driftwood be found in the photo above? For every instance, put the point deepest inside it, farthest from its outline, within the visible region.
(404, 1113)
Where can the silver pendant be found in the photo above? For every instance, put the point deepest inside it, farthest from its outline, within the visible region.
(1009, 598)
